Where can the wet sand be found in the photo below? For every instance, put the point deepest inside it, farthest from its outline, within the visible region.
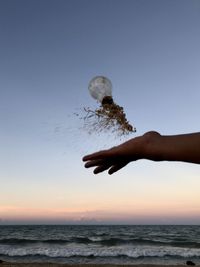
(83, 265)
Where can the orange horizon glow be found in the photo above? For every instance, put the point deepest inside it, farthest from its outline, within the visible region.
(112, 200)
(13, 213)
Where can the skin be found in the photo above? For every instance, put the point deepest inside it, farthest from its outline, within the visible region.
(151, 146)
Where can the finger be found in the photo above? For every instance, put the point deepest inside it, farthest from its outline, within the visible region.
(93, 163)
(117, 167)
(97, 155)
(101, 168)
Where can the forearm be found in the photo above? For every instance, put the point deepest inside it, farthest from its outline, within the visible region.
(184, 147)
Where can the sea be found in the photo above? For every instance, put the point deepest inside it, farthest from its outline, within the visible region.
(100, 244)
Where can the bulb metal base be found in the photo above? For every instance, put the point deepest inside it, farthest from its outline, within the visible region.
(107, 100)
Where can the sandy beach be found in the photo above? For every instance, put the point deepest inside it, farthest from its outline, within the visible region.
(83, 265)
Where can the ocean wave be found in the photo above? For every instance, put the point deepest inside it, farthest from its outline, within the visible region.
(101, 241)
(128, 251)
(21, 241)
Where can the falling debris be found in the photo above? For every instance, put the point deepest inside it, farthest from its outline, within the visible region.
(109, 116)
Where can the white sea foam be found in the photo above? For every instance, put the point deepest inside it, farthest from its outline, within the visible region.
(86, 251)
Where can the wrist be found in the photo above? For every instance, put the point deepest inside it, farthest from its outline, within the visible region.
(152, 147)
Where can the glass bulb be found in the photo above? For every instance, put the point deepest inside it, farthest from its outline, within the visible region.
(100, 87)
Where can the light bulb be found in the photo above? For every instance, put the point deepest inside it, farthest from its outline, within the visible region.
(100, 87)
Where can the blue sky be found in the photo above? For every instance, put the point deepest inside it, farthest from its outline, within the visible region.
(49, 51)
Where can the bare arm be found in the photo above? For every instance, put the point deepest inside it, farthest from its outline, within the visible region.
(185, 147)
(152, 146)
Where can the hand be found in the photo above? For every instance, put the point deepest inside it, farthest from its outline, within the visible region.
(152, 146)
(118, 157)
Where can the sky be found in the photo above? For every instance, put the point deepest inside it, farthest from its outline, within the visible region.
(49, 51)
